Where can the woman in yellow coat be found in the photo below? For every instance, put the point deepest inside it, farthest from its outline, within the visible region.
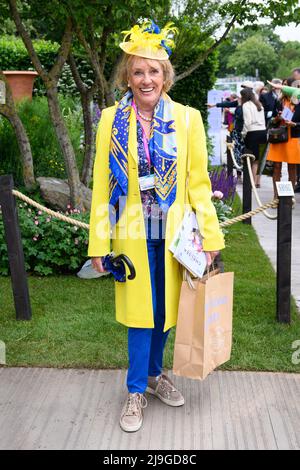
(138, 201)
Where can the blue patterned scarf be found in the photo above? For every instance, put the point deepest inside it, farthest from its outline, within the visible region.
(162, 145)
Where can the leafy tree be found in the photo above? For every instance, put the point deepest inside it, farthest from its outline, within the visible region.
(238, 36)
(289, 59)
(254, 54)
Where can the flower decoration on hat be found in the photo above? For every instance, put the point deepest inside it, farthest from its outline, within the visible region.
(149, 41)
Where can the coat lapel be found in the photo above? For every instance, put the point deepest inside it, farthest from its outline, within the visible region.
(132, 140)
(181, 136)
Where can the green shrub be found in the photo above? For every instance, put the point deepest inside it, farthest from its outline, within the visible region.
(50, 245)
(47, 156)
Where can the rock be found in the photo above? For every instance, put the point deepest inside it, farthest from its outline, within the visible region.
(56, 192)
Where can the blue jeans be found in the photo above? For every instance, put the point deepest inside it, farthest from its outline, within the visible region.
(146, 345)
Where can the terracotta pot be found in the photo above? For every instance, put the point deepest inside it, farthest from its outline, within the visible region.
(21, 83)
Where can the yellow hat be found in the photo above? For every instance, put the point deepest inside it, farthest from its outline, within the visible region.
(149, 41)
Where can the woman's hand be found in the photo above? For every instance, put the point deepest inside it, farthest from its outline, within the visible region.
(210, 256)
(278, 86)
(210, 105)
(290, 123)
(97, 264)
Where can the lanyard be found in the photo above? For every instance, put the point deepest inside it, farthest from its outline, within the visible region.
(145, 141)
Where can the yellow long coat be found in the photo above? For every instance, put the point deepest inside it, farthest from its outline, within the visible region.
(133, 297)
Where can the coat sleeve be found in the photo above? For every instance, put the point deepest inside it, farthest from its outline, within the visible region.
(99, 233)
(227, 104)
(199, 186)
(291, 91)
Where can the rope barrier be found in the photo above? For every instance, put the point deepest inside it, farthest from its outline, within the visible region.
(230, 146)
(249, 214)
(72, 221)
(55, 214)
(269, 216)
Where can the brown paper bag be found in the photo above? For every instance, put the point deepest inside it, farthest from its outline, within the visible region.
(204, 326)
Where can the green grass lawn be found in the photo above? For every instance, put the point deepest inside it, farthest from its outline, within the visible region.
(73, 322)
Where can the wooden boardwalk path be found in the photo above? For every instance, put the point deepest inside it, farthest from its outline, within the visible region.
(79, 409)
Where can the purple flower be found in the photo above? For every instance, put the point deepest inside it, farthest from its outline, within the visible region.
(221, 181)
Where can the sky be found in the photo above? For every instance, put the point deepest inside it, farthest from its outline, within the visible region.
(288, 33)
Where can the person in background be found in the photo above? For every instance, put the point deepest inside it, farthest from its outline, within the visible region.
(229, 112)
(254, 129)
(236, 132)
(270, 100)
(289, 151)
(264, 90)
(296, 73)
(247, 84)
(258, 87)
(292, 91)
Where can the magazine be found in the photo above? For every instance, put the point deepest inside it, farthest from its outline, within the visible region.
(187, 245)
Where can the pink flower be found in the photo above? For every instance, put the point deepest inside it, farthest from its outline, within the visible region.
(48, 219)
(39, 212)
(36, 222)
(218, 194)
(68, 206)
(76, 241)
(34, 238)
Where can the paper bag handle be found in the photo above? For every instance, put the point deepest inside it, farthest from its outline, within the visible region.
(187, 276)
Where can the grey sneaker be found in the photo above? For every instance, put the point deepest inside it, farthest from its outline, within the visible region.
(132, 413)
(164, 389)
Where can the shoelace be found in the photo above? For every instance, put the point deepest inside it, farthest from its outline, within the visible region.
(135, 400)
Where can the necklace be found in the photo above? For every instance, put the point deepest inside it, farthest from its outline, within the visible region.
(144, 117)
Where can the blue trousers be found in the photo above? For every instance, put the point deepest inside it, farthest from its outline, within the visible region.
(146, 345)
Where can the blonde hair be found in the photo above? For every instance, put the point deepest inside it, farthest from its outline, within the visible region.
(126, 64)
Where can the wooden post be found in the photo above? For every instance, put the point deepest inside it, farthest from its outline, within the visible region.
(247, 191)
(14, 248)
(284, 244)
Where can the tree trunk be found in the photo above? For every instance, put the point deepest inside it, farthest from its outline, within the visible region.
(25, 151)
(67, 149)
(86, 174)
(86, 97)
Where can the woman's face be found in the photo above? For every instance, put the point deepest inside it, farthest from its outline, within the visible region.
(146, 81)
